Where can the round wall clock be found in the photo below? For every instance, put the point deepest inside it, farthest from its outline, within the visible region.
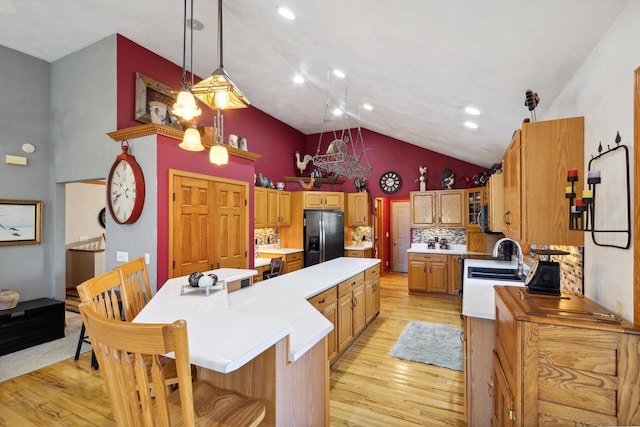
(390, 182)
(125, 188)
(102, 217)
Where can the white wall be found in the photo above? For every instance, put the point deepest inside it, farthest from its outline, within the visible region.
(82, 206)
(602, 92)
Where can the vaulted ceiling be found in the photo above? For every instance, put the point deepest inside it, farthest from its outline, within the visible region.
(418, 63)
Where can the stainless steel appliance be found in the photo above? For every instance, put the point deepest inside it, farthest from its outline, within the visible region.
(323, 235)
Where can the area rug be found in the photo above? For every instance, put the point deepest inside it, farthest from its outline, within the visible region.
(430, 343)
(30, 359)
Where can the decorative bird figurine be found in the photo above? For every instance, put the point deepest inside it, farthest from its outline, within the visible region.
(263, 181)
(307, 185)
(302, 165)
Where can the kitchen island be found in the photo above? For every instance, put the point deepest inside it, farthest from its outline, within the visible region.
(263, 341)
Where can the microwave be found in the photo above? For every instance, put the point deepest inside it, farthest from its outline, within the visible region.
(483, 220)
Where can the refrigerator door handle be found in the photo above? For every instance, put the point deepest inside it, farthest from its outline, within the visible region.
(322, 243)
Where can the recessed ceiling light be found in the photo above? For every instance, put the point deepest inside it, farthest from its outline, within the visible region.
(471, 125)
(286, 13)
(339, 73)
(472, 110)
(298, 79)
(367, 107)
(337, 112)
(194, 24)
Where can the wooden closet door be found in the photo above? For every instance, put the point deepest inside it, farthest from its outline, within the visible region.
(192, 226)
(230, 237)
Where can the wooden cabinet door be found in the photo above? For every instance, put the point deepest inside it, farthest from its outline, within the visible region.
(359, 309)
(451, 209)
(357, 209)
(345, 322)
(417, 275)
(192, 219)
(512, 190)
(474, 201)
(272, 208)
(455, 273)
(437, 277)
(475, 240)
(423, 208)
(230, 238)
(503, 410)
(284, 208)
(331, 313)
(313, 200)
(369, 300)
(260, 208)
(495, 201)
(333, 200)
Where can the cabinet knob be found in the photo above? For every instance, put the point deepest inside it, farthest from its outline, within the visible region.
(490, 388)
(321, 301)
(504, 218)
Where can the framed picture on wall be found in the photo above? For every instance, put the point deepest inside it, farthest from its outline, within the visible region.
(154, 102)
(20, 222)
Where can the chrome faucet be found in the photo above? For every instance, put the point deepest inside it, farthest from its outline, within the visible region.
(520, 255)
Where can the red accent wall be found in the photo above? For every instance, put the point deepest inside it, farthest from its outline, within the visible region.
(386, 153)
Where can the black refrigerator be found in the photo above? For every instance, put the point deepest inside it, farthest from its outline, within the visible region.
(323, 236)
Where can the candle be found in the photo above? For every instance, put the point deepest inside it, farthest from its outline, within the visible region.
(593, 174)
(572, 173)
(587, 194)
(574, 209)
(568, 190)
(580, 202)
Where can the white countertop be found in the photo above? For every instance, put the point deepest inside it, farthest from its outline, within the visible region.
(478, 295)
(272, 249)
(365, 245)
(261, 262)
(228, 330)
(422, 248)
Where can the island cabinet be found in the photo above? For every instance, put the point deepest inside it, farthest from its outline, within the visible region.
(372, 293)
(323, 200)
(327, 304)
(272, 208)
(357, 210)
(351, 310)
(562, 361)
(535, 168)
(444, 208)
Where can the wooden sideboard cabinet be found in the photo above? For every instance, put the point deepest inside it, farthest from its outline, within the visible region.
(562, 361)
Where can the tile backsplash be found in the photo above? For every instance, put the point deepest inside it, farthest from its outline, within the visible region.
(571, 267)
(455, 236)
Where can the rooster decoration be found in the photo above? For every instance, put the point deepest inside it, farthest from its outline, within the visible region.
(302, 165)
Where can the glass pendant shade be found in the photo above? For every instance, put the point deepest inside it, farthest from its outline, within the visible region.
(218, 155)
(219, 92)
(191, 140)
(185, 106)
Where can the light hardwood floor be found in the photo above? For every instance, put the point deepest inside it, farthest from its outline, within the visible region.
(368, 388)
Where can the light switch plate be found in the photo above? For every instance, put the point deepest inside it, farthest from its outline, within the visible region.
(146, 258)
(122, 256)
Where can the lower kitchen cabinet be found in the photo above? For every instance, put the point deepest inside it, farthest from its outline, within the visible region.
(428, 273)
(350, 306)
(327, 304)
(359, 253)
(478, 362)
(562, 361)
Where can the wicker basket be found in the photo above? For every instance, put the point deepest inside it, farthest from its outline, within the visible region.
(8, 299)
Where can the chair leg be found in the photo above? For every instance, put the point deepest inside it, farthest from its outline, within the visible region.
(80, 341)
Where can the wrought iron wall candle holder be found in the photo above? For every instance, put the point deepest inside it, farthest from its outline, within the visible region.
(582, 209)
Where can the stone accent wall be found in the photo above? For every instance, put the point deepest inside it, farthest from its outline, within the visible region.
(455, 236)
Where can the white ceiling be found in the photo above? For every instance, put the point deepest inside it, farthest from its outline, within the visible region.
(417, 62)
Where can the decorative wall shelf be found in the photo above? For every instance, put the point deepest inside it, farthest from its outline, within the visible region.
(320, 180)
(177, 134)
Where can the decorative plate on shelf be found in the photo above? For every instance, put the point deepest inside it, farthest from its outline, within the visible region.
(390, 182)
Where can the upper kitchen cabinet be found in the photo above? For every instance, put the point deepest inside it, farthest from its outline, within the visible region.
(443, 208)
(272, 208)
(475, 200)
(358, 209)
(535, 169)
(323, 200)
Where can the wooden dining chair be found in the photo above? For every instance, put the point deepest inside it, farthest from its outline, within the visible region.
(122, 349)
(137, 288)
(110, 297)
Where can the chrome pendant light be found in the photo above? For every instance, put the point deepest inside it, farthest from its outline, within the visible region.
(218, 91)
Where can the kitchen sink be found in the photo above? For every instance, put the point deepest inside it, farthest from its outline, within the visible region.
(489, 273)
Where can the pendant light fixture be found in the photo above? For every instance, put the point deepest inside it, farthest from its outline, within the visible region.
(185, 106)
(218, 155)
(218, 91)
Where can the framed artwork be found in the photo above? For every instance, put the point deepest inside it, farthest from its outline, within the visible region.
(20, 222)
(154, 101)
